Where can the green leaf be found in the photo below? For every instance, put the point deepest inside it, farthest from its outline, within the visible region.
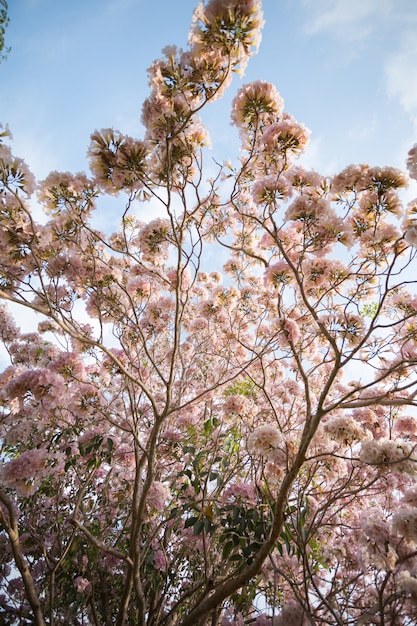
(198, 527)
(207, 525)
(286, 537)
(93, 463)
(190, 521)
(208, 427)
(227, 548)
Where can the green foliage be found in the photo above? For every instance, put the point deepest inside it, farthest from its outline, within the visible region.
(243, 532)
(369, 310)
(240, 388)
(4, 22)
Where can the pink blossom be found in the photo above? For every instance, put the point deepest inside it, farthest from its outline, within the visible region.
(300, 178)
(157, 496)
(240, 491)
(410, 497)
(375, 527)
(404, 522)
(284, 135)
(160, 561)
(69, 364)
(278, 274)
(237, 404)
(411, 235)
(308, 208)
(153, 239)
(352, 178)
(176, 417)
(25, 472)
(372, 420)
(348, 326)
(82, 584)
(264, 439)
(319, 271)
(409, 350)
(8, 329)
(245, 16)
(199, 324)
(62, 191)
(382, 237)
(291, 330)
(274, 472)
(407, 583)
(117, 161)
(345, 429)
(38, 382)
(139, 286)
(216, 277)
(270, 189)
(387, 177)
(412, 162)
(14, 173)
(181, 278)
(395, 455)
(255, 101)
(405, 425)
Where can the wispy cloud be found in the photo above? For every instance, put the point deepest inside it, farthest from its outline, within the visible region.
(401, 76)
(349, 22)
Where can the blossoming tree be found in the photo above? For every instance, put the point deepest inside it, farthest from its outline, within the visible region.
(186, 446)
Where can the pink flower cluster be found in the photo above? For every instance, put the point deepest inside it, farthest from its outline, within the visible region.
(285, 135)
(404, 522)
(412, 162)
(208, 28)
(256, 102)
(8, 329)
(267, 441)
(389, 455)
(157, 497)
(153, 240)
(237, 404)
(160, 561)
(25, 472)
(81, 584)
(14, 173)
(240, 492)
(345, 429)
(278, 274)
(117, 161)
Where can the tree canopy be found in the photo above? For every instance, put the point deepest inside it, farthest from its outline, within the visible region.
(214, 422)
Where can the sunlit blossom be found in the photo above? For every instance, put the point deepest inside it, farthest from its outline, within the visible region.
(412, 162)
(404, 522)
(255, 102)
(265, 439)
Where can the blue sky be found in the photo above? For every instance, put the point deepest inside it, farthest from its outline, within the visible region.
(345, 68)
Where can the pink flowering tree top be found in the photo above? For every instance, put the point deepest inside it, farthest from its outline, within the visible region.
(190, 445)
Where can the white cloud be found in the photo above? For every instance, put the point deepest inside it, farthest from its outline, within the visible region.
(348, 21)
(401, 76)
(361, 133)
(313, 157)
